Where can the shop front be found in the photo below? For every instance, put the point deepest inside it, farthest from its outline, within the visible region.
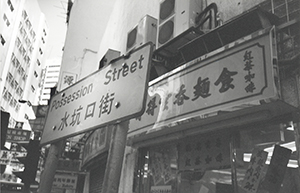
(218, 124)
(94, 159)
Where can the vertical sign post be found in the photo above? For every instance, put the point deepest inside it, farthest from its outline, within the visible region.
(112, 95)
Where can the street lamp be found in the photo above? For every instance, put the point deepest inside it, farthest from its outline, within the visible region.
(22, 101)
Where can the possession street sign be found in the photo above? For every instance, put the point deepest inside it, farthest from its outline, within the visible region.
(111, 95)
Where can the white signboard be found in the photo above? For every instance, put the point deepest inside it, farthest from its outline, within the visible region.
(255, 170)
(238, 76)
(65, 181)
(161, 189)
(10, 157)
(113, 94)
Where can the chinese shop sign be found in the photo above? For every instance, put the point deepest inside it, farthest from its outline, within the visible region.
(115, 93)
(161, 189)
(8, 178)
(204, 153)
(254, 172)
(68, 165)
(240, 75)
(65, 181)
(15, 135)
(96, 144)
(276, 170)
(10, 157)
(160, 166)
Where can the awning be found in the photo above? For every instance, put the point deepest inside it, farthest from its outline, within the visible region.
(273, 112)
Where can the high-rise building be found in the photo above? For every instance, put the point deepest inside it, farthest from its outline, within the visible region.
(24, 34)
(50, 76)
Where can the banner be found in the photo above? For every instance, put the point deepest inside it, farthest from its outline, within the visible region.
(205, 152)
(276, 169)
(253, 174)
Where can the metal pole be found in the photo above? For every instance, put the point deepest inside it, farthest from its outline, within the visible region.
(50, 167)
(233, 159)
(297, 141)
(115, 158)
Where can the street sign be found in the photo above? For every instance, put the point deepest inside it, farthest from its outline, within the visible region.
(65, 181)
(15, 135)
(110, 95)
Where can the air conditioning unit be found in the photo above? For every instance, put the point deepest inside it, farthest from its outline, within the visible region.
(145, 31)
(175, 17)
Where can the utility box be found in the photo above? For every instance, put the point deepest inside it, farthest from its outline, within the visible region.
(145, 31)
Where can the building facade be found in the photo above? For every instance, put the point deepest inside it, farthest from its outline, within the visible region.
(23, 36)
(222, 112)
(50, 76)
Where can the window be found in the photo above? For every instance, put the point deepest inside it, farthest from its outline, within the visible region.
(32, 88)
(16, 62)
(6, 20)
(38, 62)
(10, 5)
(43, 40)
(5, 95)
(30, 49)
(44, 32)
(13, 103)
(2, 40)
(4, 90)
(36, 74)
(13, 57)
(19, 91)
(24, 77)
(22, 32)
(17, 108)
(41, 51)
(22, 50)
(9, 77)
(222, 161)
(32, 34)
(21, 71)
(28, 24)
(185, 165)
(16, 84)
(8, 95)
(24, 14)
(18, 42)
(27, 41)
(12, 83)
(27, 59)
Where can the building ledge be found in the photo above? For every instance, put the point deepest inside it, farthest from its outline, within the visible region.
(273, 112)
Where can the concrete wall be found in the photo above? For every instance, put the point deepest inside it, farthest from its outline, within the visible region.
(125, 15)
(231, 8)
(85, 44)
(87, 22)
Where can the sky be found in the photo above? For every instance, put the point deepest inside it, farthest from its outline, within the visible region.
(55, 13)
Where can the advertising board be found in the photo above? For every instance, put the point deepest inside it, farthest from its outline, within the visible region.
(236, 76)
